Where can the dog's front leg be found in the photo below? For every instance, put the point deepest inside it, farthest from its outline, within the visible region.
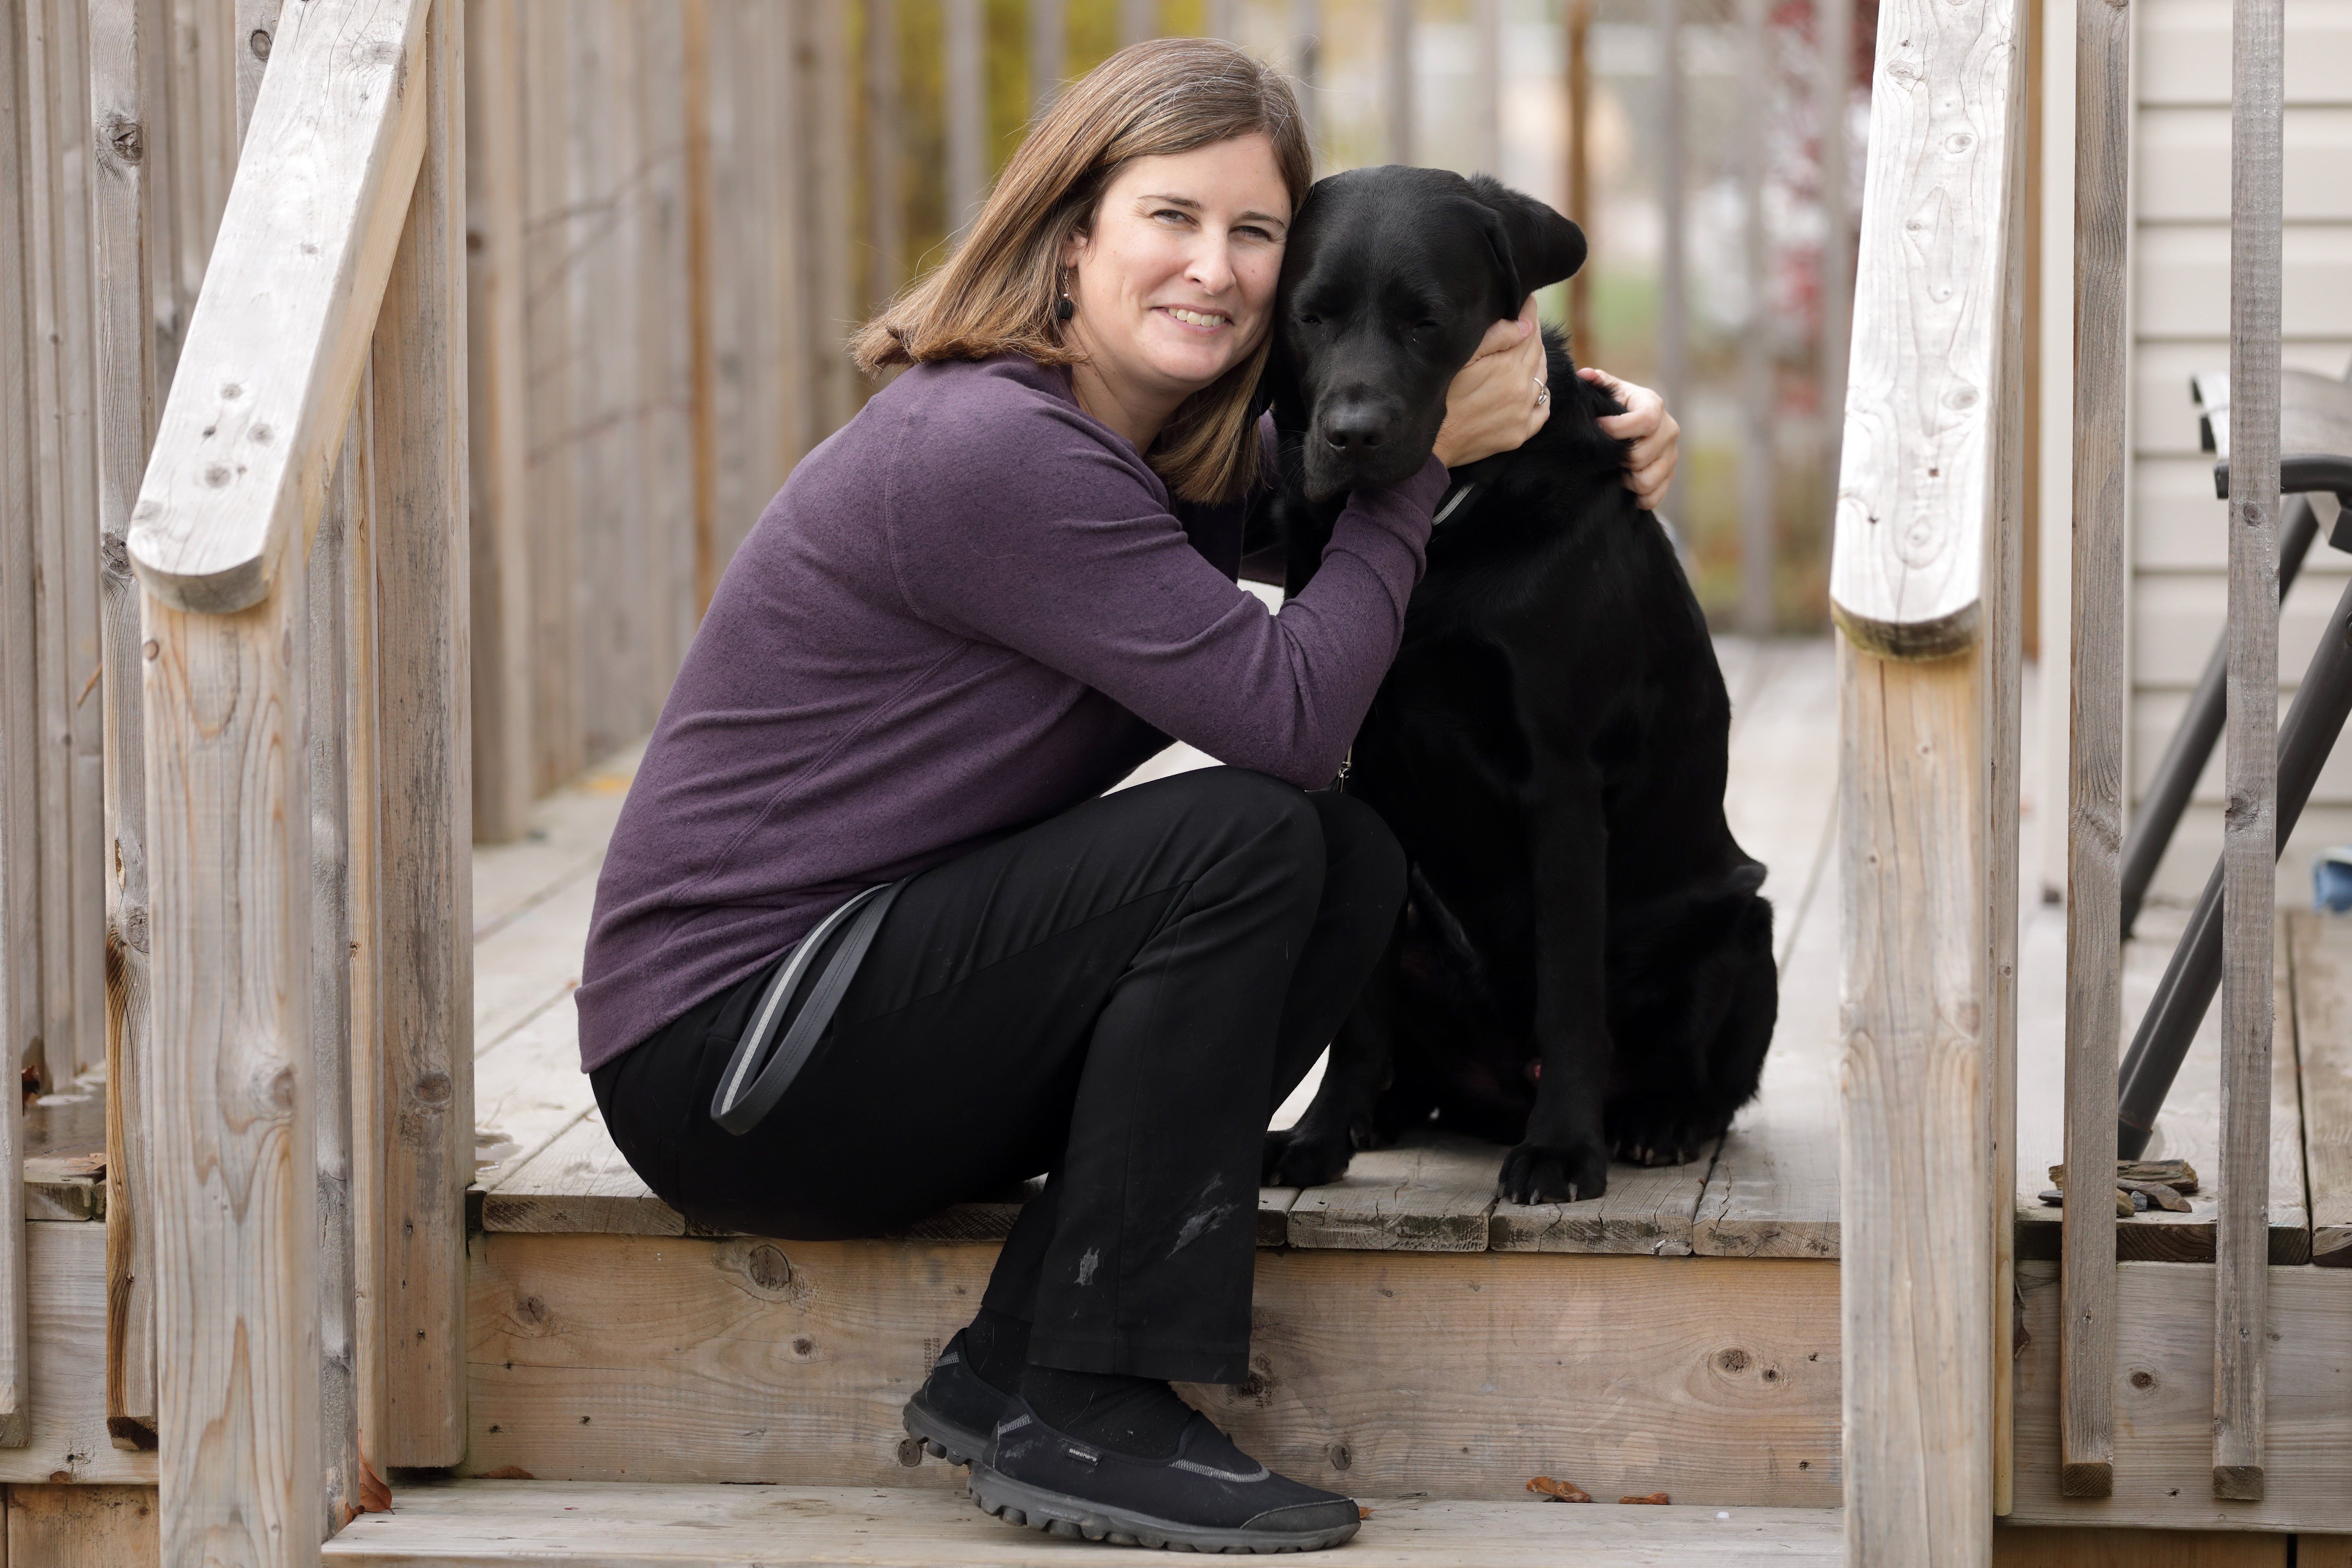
(1338, 1121)
(1565, 1156)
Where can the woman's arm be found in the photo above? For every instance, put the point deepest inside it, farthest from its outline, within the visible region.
(1650, 465)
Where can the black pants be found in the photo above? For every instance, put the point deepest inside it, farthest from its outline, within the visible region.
(1117, 998)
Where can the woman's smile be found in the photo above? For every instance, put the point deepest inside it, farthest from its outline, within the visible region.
(1205, 322)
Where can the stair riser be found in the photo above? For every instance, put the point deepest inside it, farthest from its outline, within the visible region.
(674, 1359)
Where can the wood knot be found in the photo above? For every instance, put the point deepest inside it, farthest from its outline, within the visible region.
(1341, 1456)
(125, 138)
(768, 1268)
(258, 42)
(1734, 1360)
(531, 1312)
(2143, 1379)
(803, 1347)
(432, 1089)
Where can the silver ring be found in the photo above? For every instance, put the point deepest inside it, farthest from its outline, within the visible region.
(1543, 392)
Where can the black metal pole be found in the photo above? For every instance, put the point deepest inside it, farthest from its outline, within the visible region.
(2191, 746)
(2313, 722)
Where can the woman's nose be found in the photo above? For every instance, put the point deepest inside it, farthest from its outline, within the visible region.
(1211, 271)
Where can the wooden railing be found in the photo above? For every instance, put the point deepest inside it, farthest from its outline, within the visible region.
(300, 545)
(1925, 585)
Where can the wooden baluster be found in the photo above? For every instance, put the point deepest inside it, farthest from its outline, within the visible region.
(1833, 70)
(967, 112)
(257, 33)
(423, 760)
(2250, 834)
(829, 307)
(2094, 774)
(1306, 54)
(1396, 78)
(1048, 54)
(331, 983)
(703, 269)
(886, 218)
(20, 1019)
(498, 416)
(555, 223)
(121, 207)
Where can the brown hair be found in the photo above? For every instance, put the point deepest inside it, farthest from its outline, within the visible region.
(995, 295)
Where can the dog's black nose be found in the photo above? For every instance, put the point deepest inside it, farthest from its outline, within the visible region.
(1354, 428)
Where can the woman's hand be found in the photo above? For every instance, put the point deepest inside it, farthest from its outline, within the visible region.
(1650, 465)
(1499, 398)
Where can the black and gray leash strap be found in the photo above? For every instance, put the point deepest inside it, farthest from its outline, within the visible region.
(763, 1065)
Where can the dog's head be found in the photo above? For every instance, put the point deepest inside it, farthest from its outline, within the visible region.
(1389, 278)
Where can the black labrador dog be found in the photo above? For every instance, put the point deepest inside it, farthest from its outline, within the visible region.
(1583, 964)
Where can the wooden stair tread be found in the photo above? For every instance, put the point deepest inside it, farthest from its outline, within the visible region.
(610, 1525)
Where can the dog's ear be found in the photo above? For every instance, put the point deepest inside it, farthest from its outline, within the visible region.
(1538, 246)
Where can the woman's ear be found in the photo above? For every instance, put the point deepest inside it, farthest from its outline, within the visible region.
(1540, 246)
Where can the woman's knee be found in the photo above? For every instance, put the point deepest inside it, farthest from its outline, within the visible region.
(1256, 810)
(1363, 863)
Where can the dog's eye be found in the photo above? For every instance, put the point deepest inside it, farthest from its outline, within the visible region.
(1310, 321)
(1424, 326)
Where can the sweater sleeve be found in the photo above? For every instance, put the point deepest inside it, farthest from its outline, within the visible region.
(1030, 529)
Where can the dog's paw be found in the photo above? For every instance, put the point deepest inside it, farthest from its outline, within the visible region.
(1663, 1142)
(1296, 1158)
(1547, 1173)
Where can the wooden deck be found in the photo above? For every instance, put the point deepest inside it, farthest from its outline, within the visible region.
(1769, 1191)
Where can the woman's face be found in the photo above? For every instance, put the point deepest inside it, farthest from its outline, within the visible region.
(1175, 284)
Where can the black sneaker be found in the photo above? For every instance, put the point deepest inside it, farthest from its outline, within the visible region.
(954, 1411)
(1211, 1497)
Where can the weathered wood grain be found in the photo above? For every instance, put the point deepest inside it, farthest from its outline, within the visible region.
(497, 421)
(231, 1113)
(423, 762)
(564, 839)
(65, 1312)
(1915, 1093)
(527, 1088)
(328, 569)
(83, 1526)
(665, 524)
(533, 962)
(1647, 1210)
(1430, 1195)
(122, 211)
(273, 354)
(579, 1182)
(2323, 1038)
(825, 232)
(2163, 1397)
(20, 930)
(750, 1360)
(554, 225)
(2250, 836)
(610, 1526)
(2047, 1546)
(1916, 483)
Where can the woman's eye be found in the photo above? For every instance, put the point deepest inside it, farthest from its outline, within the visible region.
(1171, 212)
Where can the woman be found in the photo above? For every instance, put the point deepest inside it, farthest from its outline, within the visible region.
(1002, 585)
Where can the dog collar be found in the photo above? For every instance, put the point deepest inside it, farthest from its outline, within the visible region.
(1455, 499)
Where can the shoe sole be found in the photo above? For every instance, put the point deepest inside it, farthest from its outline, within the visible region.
(1075, 1518)
(942, 1438)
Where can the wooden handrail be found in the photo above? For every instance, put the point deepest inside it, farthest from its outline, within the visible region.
(1917, 488)
(1925, 585)
(274, 351)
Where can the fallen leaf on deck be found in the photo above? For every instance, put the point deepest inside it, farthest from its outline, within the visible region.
(375, 1496)
(1559, 1491)
(1363, 1512)
(1654, 1496)
(507, 1473)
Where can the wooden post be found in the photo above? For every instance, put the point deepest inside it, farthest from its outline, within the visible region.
(20, 806)
(1138, 20)
(1922, 585)
(1833, 64)
(267, 377)
(661, 530)
(554, 225)
(257, 32)
(1305, 56)
(121, 207)
(1756, 613)
(886, 218)
(1048, 53)
(2250, 833)
(830, 305)
(2094, 779)
(425, 899)
(71, 760)
(497, 394)
(1673, 314)
(1396, 76)
(967, 112)
(330, 984)
(1486, 20)
(1576, 27)
(703, 373)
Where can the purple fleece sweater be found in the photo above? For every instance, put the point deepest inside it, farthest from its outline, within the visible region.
(973, 607)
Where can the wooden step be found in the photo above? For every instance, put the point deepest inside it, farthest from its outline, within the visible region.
(483, 1523)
